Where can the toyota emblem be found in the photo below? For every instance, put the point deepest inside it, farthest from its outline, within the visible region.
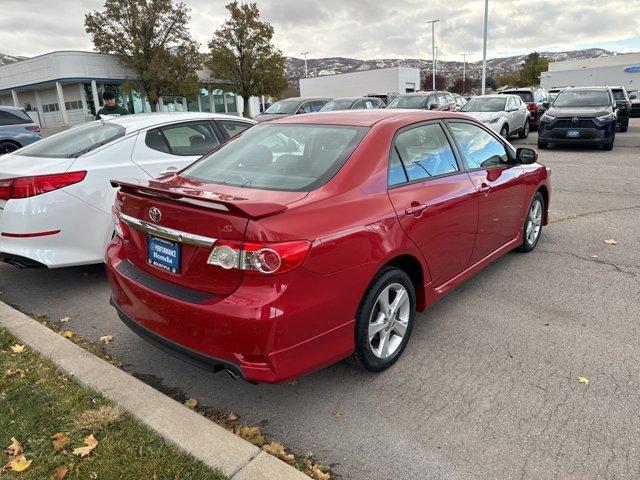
(574, 120)
(155, 214)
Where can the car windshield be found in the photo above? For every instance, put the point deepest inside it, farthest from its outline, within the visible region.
(619, 95)
(525, 96)
(582, 98)
(283, 107)
(337, 105)
(75, 141)
(280, 157)
(485, 104)
(409, 101)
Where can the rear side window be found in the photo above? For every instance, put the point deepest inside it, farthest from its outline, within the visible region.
(15, 117)
(74, 142)
(187, 139)
(233, 128)
(424, 152)
(479, 147)
(280, 157)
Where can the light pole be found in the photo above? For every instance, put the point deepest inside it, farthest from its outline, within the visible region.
(306, 71)
(484, 46)
(436, 60)
(464, 70)
(433, 50)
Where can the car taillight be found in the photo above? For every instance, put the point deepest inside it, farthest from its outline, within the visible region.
(532, 106)
(121, 228)
(25, 187)
(260, 258)
(33, 128)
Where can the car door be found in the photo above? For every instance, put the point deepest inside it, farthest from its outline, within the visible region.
(498, 181)
(170, 148)
(231, 128)
(523, 111)
(513, 116)
(434, 198)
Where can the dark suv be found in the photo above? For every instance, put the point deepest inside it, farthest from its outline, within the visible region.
(436, 100)
(585, 115)
(623, 102)
(536, 98)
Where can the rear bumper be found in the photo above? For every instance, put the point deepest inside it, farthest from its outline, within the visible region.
(268, 330)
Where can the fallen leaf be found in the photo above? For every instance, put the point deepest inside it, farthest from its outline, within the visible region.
(252, 434)
(60, 440)
(318, 474)
(191, 403)
(61, 472)
(584, 380)
(12, 373)
(106, 339)
(337, 413)
(233, 417)
(611, 242)
(90, 443)
(19, 463)
(277, 450)
(40, 316)
(17, 348)
(65, 319)
(68, 334)
(15, 448)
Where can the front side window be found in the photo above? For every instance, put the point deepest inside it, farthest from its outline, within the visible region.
(317, 105)
(190, 139)
(619, 95)
(233, 128)
(280, 157)
(479, 147)
(425, 152)
(305, 108)
(583, 98)
(283, 107)
(75, 141)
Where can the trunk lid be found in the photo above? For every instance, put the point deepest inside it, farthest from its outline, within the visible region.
(210, 212)
(12, 165)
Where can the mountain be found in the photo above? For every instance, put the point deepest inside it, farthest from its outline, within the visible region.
(7, 59)
(495, 66)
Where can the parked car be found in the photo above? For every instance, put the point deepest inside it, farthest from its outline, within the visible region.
(271, 264)
(623, 104)
(436, 100)
(536, 98)
(55, 196)
(292, 106)
(634, 96)
(460, 100)
(506, 114)
(585, 115)
(17, 129)
(353, 103)
(553, 93)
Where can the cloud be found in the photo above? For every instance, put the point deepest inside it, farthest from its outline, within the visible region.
(358, 28)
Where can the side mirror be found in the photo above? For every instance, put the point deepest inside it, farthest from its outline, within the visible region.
(545, 105)
(526, 156)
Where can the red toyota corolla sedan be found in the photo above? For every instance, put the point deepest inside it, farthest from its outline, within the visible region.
(316, 238)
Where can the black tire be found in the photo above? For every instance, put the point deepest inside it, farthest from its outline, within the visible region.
(8, 147)
(524, 133)
(528, 245)
(363, 356)
(542, 145)
(624, 126)
(504, 131)
(609, 146)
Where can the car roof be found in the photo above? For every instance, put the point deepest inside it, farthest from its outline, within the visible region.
(353, 99)
(598, 88)
(421, 94)
(496, 95)
(8, 108)
(146, 120)
(304, 99)
(366, 118)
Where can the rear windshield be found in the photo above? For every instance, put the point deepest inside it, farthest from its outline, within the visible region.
(484, 104)
(75, 141)
(582, 98)
(411, 101)
(525, 96)
(619, 95)
(280, 157)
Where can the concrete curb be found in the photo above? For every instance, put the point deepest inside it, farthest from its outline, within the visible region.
(190, 432)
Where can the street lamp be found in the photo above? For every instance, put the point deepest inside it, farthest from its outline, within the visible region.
(484, 47)
(464, 70)
(436, 70)
(306, 71)
(433, 49)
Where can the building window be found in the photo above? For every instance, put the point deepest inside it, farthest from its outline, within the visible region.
(73, 105)
(50, 107)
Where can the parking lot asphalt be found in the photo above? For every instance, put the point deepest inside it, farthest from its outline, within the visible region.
(488, 386)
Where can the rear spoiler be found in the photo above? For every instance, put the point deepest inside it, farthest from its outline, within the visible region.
(201, 198)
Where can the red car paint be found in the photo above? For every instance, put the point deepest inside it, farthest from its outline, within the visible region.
(274, 328)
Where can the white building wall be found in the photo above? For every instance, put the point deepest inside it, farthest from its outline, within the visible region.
(354, 84)
(594, 72)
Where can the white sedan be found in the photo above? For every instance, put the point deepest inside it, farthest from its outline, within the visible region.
(55, 195)
(505, 114)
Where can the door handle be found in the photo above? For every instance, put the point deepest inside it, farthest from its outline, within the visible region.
(484, 188)
(416, 209)
(169, 170)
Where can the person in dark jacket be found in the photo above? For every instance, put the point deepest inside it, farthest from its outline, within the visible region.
(110, 106)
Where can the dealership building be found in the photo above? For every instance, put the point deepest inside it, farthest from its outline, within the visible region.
(613, 70)
(380, 81)
(59, 89)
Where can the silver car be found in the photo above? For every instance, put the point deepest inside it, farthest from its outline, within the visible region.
(16, 129)
(505, 114)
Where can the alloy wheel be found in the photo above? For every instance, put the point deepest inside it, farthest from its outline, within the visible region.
(7, 148)
(534, 222)
(389, 320)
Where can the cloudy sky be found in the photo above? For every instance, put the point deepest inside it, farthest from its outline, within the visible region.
(363, 28)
